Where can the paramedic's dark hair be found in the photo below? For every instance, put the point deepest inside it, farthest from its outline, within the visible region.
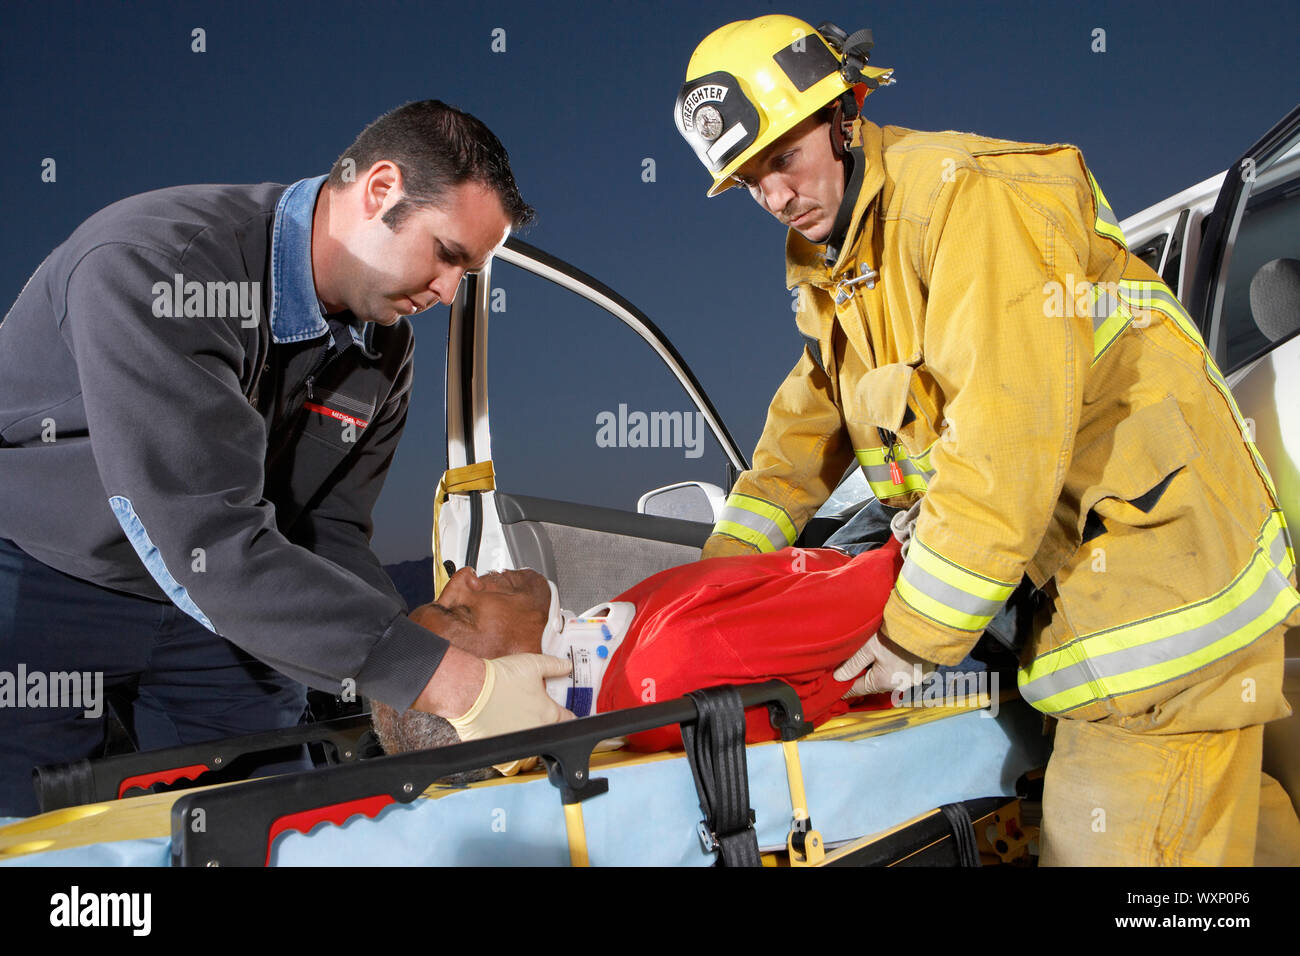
(436, 147)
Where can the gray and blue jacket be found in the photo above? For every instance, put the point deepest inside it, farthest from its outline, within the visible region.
(179, 421)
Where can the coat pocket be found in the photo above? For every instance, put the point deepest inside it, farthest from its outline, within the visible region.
(1128, 470)
(880, 398)
(1115, 482)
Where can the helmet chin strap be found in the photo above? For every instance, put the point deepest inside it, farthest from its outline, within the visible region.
(854, 162)
(841, 130)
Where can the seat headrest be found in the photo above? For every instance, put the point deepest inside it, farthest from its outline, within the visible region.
(1275, 298)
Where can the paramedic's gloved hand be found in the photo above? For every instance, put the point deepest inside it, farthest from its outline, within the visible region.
(513, 698)
(887, 667)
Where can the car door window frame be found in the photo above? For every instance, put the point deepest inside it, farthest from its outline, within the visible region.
(468, 430)
(1205, 299)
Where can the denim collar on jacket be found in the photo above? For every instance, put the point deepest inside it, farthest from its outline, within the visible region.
(295, 310)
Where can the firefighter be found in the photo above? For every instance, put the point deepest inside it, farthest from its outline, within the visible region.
(979, 338)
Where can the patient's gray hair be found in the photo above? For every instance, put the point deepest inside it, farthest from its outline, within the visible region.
(416, 730)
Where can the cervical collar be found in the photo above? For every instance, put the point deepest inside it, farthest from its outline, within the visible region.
(588, 641)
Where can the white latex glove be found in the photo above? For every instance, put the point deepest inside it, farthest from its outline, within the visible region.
(903, 525)
(513, 698)
(888, 668)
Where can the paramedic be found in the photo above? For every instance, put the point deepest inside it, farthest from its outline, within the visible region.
(977, 333)
(201, 391)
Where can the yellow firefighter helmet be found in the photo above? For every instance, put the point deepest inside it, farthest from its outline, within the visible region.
(752, 81)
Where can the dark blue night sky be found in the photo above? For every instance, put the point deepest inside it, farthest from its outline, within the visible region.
(581, 97)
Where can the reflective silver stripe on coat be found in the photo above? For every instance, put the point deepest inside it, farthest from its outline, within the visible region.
(766, 527)
(1159, 651)
(950, 596)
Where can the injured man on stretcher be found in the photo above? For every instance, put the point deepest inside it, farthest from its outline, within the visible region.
(796, 614)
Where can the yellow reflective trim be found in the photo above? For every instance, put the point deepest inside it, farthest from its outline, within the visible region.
(1221, 384)
(748, 535)
(876, 456)
(937, 611)
(1088, 656)
(1109, 330)
(1263, 470)
(1273, 527)
(1135, 680)
(1286, 536)
(1168, 624)
(915, 471)
(1158, 297)
(923, 460)
(948, 571)
(1111, 232)
(888, 489)
(948, 593)
(1107, 223)
(765, 509)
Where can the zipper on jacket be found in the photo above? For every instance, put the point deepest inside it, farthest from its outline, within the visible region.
(294, 405)
(305, 388)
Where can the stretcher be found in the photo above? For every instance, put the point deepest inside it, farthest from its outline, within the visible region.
(867, 787)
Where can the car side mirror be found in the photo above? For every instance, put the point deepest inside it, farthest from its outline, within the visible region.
(685, 500)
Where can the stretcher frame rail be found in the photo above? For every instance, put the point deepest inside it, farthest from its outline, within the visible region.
(238, 825)
(121, 776)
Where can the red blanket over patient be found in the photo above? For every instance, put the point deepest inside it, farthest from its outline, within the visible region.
(793, 614)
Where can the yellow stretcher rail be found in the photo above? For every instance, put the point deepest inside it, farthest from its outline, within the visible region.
(577, 833)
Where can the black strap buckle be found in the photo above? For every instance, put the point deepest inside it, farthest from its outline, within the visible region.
(711, 841)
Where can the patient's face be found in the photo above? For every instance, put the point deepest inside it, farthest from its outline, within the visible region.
(503, 612)
(490, 616)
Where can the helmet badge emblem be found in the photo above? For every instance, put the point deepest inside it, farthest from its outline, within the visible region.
(708, 122)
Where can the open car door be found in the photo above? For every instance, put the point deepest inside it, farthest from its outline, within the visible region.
(589, 418)
(1245, 297)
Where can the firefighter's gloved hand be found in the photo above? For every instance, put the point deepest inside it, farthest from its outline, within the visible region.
(887, 668)
(514, 698)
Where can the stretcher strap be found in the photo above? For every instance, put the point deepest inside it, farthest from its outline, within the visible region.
(963, 834)
(715, 748)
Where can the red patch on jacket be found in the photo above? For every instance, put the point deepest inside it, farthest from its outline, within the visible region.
(335, 414)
